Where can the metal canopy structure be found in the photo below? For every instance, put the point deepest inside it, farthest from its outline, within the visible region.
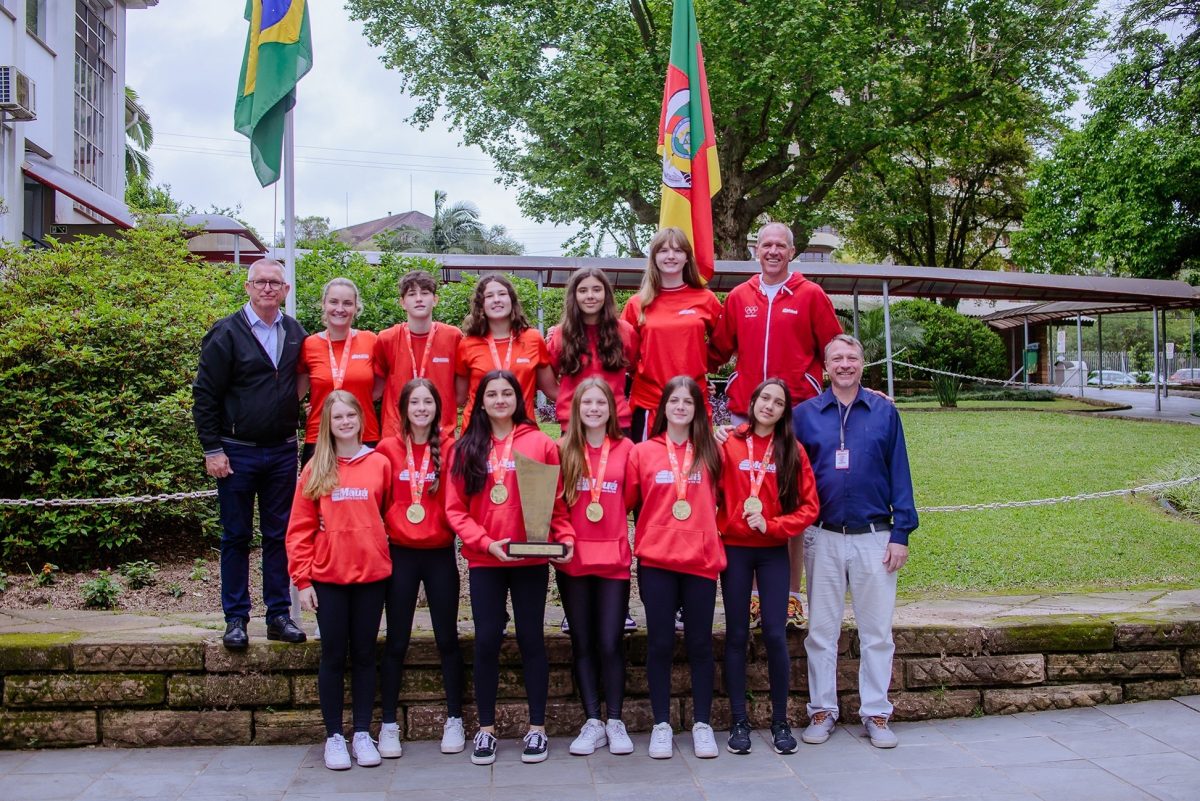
(218, 238)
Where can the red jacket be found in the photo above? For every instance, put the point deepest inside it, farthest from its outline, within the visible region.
(735, 488)
(434, 531)
(340, 538)
(602, 549)
(479, 522)
(615, 378)
(673, 341)
(784, 338)
(685, 546)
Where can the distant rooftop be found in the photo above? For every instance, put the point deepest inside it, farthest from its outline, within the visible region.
(361, 236)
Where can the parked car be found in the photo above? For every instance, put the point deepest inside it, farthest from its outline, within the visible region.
(1186, 376)
(1112, 378)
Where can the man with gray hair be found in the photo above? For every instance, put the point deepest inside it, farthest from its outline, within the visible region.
(855, 443)
(246, 409)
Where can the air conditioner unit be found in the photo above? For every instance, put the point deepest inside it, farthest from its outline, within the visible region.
(17, 94)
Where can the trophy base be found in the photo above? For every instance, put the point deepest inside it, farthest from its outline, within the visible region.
(553, 550)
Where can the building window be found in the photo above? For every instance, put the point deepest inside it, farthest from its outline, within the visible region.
(35, 17)
(94, 51)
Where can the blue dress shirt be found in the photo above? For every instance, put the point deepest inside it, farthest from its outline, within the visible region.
(267, 335)
(877, 486)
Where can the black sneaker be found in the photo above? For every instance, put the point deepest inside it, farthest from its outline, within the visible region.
(537, 747)
(781, 738)
(630, 623)
(739, 737)
(484, 752)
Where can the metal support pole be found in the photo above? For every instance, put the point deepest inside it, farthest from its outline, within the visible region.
(1024, 355)
(1154, 343)
(1079, 352)
(1163, 373)
(1192, 341)
(237, 249)
(856, 314)
(887, 339)
(1100, 348)
(289, 213)
(541, 285)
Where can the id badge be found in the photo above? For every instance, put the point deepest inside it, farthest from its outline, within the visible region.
(841, 459)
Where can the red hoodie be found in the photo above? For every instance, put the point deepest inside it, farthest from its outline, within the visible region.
(685, 546)
(735, 488)
(602, 548)
(615, 378)
(340, 538)
(673, 341)
(479, 522)
(433, 531)
(783, 338)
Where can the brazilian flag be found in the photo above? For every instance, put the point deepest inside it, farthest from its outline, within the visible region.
(278, 55)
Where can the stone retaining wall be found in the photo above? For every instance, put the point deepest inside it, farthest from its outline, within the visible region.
(197, 693)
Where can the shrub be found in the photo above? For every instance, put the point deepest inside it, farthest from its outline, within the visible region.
(142, 573)
(946, 388)
(99, 341)
(951, 341)
(101, 592)
(45, 576)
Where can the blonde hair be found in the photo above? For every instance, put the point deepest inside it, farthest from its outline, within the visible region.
(652, 279)
(323, 468)
(346, 282)
(573, 447)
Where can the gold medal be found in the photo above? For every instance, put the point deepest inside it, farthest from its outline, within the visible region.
(499, 494)
(682, 510)
(594, 512)
(752, 506)
(415, 513)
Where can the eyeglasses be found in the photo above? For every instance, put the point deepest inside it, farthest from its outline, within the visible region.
(263, 284)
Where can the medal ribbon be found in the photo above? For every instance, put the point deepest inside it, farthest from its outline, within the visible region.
(596, 480)
(756, 479)
(499, 471)
(680, 476)
(412, 358)
(339, 372)
(416, 481)
(496, 353)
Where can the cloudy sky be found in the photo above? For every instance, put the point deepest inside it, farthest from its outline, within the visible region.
(357, 157)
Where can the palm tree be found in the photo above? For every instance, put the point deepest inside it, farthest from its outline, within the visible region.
(456, 229)
(906, 335)
(140, 137)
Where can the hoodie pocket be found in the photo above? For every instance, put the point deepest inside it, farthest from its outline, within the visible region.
(684, 549)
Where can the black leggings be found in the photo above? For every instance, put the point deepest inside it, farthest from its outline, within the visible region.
(596, 609)
(348, 615)
(643, 419)
(490, 588)
(437, 568)
(664, 591)
(773, 569)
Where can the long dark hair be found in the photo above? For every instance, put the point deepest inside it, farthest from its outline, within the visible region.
(786, 451)
(699, 432)
(475, 324)
(435, 433)
(575, 351)
(471, 450)
(573, 446)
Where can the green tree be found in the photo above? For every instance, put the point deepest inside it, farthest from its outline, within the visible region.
(565, 97)
(139, 137)
(1121, 195)
(456, 229)
(309, 231)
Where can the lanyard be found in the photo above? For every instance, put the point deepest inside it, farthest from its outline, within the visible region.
(500, 470)
(596, 480)
(757, 479)
(680, 476)
(416, 481)
(842, 419)
(412, 358)
(496, 353)
(339, 372)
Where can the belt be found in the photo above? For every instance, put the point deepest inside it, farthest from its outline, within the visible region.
(271, 444)
(870, 528)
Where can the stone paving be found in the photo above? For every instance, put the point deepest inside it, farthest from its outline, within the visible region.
(1148, 750)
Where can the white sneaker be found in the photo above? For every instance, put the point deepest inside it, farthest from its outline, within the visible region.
(618, 739)
(661, 741)
(591, 737)
(365, 753)
(336, 756)
(389, 741)
(704, 742)
(454, 736)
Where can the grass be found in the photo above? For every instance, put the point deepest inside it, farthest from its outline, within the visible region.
(1006, 456)
(1058, 405)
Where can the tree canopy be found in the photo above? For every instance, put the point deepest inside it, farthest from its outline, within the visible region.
(1121, 195)
(565, 97)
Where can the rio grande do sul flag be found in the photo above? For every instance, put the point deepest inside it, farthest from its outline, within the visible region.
(278, 54)
(686, 141)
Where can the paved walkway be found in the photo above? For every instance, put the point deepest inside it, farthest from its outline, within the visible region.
(1149, 750)
(1178, 408)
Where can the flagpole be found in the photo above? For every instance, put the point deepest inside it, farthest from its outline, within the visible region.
(289, 208)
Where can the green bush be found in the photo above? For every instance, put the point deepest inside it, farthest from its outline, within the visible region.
(946, 388)
(99, 341)
(951, 341)
(139, 574)
(101, 592)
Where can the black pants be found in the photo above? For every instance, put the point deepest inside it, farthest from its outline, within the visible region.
(438, 570)
(490, 588)
(773, 569)
(640, 425)
(664, 591)
(596, 609)
(348, 615)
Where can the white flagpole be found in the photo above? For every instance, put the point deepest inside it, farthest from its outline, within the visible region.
(289, 209)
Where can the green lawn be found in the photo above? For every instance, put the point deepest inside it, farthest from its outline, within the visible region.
(1001, 456)
(1059, 405)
